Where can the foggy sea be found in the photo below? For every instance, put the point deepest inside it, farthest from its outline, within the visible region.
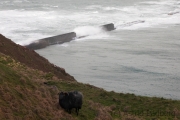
(142, 56)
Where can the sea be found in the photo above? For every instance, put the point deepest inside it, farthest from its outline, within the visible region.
(142, 56)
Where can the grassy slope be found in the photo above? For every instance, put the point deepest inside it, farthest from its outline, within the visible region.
(23, 95)
(30, 58)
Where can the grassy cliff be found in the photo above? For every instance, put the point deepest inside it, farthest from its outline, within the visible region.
(32, 93)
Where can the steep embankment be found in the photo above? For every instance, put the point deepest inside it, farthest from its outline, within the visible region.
(23, 94)
(31, 58)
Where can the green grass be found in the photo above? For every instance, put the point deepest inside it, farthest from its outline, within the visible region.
(146, 107)
(48, 76)
(7, 74)
(96, 102)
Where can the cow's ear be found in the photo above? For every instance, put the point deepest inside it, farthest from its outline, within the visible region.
(66, 93)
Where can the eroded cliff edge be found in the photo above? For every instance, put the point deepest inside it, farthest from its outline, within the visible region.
(31, 58)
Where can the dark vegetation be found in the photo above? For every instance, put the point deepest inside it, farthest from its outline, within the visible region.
(29, 90)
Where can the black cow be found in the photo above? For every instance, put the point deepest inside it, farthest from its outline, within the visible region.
(69, 100)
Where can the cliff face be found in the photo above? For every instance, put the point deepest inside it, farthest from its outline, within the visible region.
(31, 58)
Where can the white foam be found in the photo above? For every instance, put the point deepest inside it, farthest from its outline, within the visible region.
(64, 44)
(133, 25)
(162, 2)
(24, 26)
(111, 8)
(94, 7)
(95, 12)
(87, 31)
(161, 13)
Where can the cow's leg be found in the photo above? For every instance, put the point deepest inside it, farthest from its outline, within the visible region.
(77, 111)
(69, 111)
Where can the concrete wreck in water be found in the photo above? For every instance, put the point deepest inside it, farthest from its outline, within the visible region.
(60, 39)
